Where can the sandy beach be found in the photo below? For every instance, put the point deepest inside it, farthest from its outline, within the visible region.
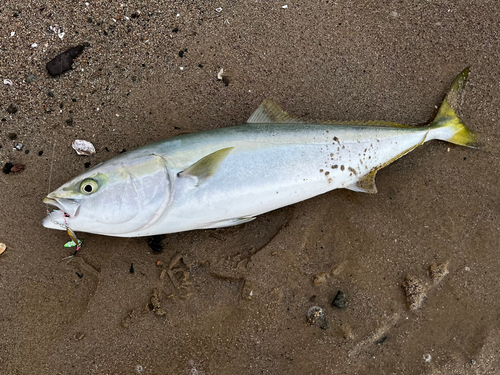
(236, 300)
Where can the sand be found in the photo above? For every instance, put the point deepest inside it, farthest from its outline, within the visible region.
(235, 300)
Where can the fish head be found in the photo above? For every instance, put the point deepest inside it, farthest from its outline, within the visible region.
(122, 195)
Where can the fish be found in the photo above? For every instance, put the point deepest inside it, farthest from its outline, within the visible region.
(229, 176)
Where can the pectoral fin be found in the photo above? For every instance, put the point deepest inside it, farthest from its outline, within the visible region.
(366, 184)
(206, 167)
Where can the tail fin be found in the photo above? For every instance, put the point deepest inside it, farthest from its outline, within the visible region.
(447, 126)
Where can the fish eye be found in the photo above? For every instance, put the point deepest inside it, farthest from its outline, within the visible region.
(88, 186)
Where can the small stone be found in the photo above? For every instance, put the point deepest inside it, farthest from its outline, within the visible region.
(31, 78)
(17, 168)
(40, 153)
(19, 146)
(316, 316)
(131, 268)
(87, 164)
(7, 167)
(320, 278)
(3, 247)
(340, 300)
(11, 109)
(155, 244)
(51, 94)
(176, 30)
(63, 61)
(415, 292)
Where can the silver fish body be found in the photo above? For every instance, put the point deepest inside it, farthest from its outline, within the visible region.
(229, 176)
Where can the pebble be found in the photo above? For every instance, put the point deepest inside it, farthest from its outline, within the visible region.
(12, 109)
(3, 247)
(155, 244)
(340, 300)
(17, 168)
(316, 316)
(7, 167)
(19, 146)
(63, 61)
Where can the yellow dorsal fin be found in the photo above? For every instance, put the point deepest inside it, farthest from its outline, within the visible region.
(271, 113)
(207, 166)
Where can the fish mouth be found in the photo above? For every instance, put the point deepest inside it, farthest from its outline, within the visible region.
(69, 207)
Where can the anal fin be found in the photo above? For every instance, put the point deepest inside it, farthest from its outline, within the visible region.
(366, 184)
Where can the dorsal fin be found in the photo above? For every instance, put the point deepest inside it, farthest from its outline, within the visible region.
(271, 113)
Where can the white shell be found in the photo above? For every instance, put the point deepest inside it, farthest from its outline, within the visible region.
(83, 147)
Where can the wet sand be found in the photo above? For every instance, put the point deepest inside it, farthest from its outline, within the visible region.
(235, 300)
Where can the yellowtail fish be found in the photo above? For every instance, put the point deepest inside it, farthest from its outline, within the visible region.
(228, 176)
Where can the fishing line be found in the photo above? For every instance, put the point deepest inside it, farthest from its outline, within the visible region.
(71, 233)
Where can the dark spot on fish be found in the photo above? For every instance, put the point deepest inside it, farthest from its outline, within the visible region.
(335, 166)
(321, 170)
(342, 167)
(343, 146)
(331, 155)
(353, 170)
(336, 139)
(329, 180)
(327, 173)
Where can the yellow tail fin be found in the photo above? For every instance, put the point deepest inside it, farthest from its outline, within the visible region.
(451, 128)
